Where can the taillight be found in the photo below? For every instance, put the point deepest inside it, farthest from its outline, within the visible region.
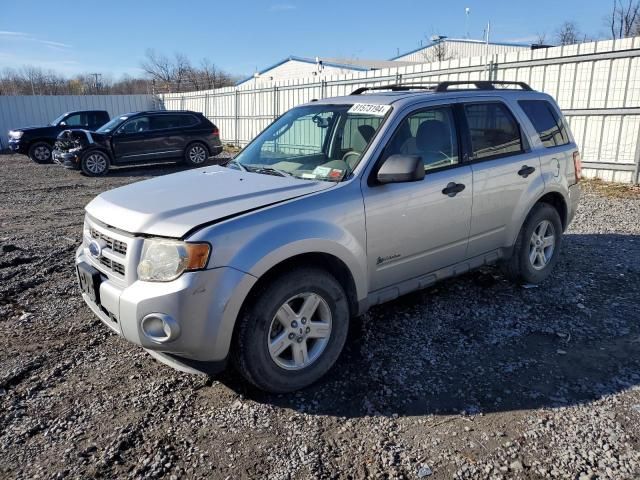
(216, 132)
(577, 165)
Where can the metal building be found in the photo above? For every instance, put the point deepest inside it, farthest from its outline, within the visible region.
(320, 67)
(444, 48)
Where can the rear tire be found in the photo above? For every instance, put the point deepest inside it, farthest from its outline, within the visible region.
(40, 152)
(537, 248)
(293, 331)
(95, 163)
(196, 154)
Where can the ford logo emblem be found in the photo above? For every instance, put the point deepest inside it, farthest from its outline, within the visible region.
(95, 249)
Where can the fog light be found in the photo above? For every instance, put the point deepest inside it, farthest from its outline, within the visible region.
(160, 328)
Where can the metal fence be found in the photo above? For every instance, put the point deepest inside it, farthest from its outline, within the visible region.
(21, 111)
(597, 84)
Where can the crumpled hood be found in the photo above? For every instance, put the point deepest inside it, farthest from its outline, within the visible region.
(172, 205)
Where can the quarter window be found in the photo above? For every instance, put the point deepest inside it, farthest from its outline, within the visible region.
(430, 134)
(494, 131)
(546, 121)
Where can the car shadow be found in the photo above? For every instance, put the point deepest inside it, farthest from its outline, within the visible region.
(479, 343)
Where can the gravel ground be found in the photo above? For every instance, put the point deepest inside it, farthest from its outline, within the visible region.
(474, 378)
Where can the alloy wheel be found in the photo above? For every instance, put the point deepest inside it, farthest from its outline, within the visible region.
(197, 154)
(299, 331)
(96, 163)
(542, 245)
(42, 153)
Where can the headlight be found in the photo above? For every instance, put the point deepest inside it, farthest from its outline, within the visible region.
(164, 260)
(15, 134)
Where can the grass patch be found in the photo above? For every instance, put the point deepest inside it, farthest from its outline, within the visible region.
(609, 189)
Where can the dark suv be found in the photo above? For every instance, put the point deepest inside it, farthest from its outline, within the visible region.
(141, 137)
(37, 142)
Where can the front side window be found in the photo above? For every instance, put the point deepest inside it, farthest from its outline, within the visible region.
(430, 134)
(136, 125)
(494, 131)
(546, 121)
(320, 142)
(112, 124)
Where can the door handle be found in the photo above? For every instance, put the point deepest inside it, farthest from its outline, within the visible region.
(452, 189)
(525, 171)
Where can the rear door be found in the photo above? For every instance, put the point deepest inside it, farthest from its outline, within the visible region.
(166, 138)
(415, 228)
(553, 142)
(506, 173)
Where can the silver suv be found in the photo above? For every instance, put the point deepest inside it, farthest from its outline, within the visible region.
(338, 205)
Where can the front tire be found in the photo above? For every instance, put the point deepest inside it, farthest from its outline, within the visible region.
(40, 152)
(293, 332)
(94, 163)
(537, 247)
(196, 154)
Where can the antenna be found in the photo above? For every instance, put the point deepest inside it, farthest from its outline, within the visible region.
(467, 11)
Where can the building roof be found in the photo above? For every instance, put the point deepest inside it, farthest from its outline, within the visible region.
(459, 40)
(347, 63)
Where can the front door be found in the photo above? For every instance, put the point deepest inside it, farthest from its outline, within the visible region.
(418, 227)
(131, 141)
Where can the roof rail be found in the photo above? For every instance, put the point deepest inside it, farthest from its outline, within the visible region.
(480, 84)
(398, 87)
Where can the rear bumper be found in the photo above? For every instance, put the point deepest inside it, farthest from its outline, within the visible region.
(574, 199)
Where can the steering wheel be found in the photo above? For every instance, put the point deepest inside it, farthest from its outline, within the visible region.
(346, 155)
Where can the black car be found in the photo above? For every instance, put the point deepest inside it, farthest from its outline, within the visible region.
(141, 137)
(37, 142)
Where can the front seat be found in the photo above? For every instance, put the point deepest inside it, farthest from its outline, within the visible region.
(432, 142)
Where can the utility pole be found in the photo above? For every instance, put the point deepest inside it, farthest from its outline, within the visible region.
(95, 81)
(467, 11)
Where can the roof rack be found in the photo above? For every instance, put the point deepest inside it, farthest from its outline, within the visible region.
(444, 86)
(398, 87)
(480, 85)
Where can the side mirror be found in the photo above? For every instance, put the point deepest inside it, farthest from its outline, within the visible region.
(401, 168)
(63, 124)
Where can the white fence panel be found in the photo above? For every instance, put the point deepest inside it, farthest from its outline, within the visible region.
(26, 110)
(596, 84)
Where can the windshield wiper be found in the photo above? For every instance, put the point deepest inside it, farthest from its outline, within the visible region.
(237, 164)
(268, 170)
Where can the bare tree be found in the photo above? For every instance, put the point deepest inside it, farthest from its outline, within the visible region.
(624, 20)
(541, 38)
(438, 51)
(568, 34)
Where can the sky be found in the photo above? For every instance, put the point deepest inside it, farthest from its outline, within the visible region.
(243, 36)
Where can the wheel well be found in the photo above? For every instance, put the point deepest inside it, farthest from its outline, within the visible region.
(557, 201)
(324, 261)
(40, 140)
(98, 149)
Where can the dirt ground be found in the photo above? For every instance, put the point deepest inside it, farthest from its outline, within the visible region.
(473, 378)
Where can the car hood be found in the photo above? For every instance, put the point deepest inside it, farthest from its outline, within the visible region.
(37, 129)
(173, 205)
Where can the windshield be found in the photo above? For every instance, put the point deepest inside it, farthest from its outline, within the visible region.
(111, 124)
(318, 142)
(58, 119)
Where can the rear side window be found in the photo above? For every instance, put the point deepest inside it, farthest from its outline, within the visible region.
(160, 122)
(546, 121)
(97, 119)
(493, 129)
(188, 121)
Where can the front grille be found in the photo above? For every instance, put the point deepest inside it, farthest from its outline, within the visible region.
(112, 265)
(115, 245)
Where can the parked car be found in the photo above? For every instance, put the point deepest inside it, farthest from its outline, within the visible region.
(140, 137)
(37, 142)
(339, 205)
